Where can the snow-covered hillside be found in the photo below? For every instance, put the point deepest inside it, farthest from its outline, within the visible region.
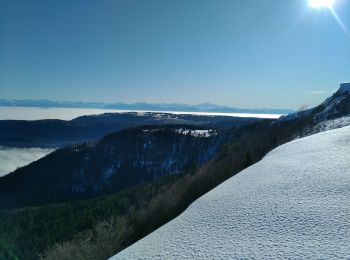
(293, 204)
(336, 106)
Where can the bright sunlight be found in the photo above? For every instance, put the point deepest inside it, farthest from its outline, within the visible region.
(321, 3)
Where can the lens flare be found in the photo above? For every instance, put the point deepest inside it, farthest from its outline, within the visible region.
(340, 23)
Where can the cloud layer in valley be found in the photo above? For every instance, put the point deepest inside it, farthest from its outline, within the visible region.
(12, 158)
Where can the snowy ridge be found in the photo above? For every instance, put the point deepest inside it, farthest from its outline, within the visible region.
(345, 87)
(296, 115)
(336, 106)
(293, 204)
(332, 104)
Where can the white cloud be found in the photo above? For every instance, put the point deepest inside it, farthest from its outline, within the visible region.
(319, 92)
(12, 158)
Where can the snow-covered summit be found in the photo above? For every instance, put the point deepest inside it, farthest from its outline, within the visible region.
(345, 87)
(294, 204)
(336, 106)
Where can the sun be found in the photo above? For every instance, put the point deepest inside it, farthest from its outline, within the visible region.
(321, 3)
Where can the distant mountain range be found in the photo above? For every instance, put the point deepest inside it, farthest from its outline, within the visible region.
(205, 107)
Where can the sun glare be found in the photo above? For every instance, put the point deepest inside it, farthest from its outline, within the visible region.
(321, 3)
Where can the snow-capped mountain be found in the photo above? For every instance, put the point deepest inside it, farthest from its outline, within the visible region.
(141, 106)
(333, 113)
(292, 204)
(336, 106)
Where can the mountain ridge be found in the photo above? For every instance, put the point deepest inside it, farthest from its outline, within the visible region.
(334, 106)
(119, 160)
(58, 133)
(141, 106)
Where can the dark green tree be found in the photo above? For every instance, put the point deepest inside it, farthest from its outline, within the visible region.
(248, 159)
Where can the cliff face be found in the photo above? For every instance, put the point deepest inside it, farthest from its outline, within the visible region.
(130, 157)
(117, 161)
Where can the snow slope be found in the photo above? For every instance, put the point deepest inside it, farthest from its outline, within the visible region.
(293, 204)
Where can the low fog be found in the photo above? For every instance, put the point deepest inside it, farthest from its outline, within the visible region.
(12, 158)
(35, 113)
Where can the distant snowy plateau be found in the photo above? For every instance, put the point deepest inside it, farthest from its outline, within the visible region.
(294, 204)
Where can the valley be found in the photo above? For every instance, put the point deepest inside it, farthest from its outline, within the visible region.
(170, 130)
(140, 178)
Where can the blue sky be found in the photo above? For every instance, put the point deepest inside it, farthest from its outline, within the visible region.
(243, 53)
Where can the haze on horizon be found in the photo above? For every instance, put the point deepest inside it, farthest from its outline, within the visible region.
(244, 53)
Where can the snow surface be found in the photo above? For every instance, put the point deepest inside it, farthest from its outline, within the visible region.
(196, 133)
(294, 204)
